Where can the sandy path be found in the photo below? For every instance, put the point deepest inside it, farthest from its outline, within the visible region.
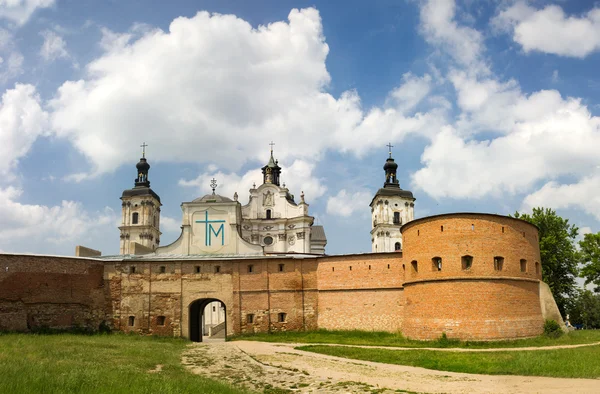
(260, 366)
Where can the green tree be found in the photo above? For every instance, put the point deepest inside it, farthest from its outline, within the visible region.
(558, 253)
(585, 309)
(590, 257)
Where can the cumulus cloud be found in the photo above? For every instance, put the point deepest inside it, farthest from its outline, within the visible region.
(67, 222)
(505, 141)
(54, 46)
(11, 60)
(22, 121)
(346, 203)
(550, 30)
(19, 11)
(214, 89)
(299, 175)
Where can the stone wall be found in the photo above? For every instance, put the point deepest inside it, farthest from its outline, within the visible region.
(53, 292)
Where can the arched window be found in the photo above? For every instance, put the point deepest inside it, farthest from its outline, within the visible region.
(467, 262)
(436, 264)
(523, 265)
(134, 218)
(397, 247)
(396, 217)
(268, 214)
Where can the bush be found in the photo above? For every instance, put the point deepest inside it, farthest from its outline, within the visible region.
(552, 329)
(444, 341)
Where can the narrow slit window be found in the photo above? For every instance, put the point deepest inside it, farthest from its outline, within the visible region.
(131, 321)
(442, 228)
(197, 269)
(537, 268)
(217, 269)
(472, 227)
(268, 214)
(250, 318)
(250, 268)
(466, 262)
(436, 263)
(415, 266)
(281, 267)
(350, 268)
(523, 265)
(162, 269)
(160, 321)
(132, 269)
(498, 263)
(369, 266)
(502, 229)
(332, 269)
(281, 317)
(388, 266)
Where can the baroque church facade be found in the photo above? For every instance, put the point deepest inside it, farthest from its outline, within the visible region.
(271, 222)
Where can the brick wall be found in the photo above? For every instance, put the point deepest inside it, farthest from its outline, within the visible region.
(47, 291)
(485, 301)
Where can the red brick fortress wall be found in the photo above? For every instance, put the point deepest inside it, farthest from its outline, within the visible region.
(53, 292)
(497, 297)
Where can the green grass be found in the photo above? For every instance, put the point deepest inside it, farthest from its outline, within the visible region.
(564, 363)
(68, 363)
(375, 338)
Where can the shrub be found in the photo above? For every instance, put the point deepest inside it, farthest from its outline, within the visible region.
(444, 341)
(552, 329)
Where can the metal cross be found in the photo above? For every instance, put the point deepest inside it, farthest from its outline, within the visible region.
(389, 145)
(272, 144)
(143, 146)
(213, 184)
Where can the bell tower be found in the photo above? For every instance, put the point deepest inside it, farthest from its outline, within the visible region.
(390, 209)
(140, 217)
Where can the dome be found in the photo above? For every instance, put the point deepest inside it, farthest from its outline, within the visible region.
(390, 165)
(213, 198)
(143, 165)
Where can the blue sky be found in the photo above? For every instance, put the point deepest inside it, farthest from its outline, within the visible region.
(491, 107)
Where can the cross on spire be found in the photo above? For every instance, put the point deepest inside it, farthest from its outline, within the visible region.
(213, 184)
(143, 146)
(272, 144)
(390, 146)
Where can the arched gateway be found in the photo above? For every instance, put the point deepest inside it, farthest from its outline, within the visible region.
(207, 319)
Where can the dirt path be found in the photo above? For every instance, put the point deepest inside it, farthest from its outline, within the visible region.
(279, 368)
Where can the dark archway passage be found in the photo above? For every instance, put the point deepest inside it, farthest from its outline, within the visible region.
(199, 320)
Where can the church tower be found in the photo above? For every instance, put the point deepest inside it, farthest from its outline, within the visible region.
(390, 209)
(140, 218)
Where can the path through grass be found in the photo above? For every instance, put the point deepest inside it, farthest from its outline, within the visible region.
(68, 363)
(357, 337)
(564, 363)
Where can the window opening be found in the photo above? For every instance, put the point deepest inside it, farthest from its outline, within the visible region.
(163, 269)
(415, 266)
(442, 228)
(369, 266)
(472, 227)
(523, 265)
(268, 240)
(268, 214)
(134, 218)
(502, 229)
(436, 263)
(214, 308)
(132, 269)
(250, 268)
(131, 321)
(498, 263)
(397, 246)
(217, 269)
(281, 317)
(388, 266)
(537, 268)
(197, 269)
(396, 217)
(350, 268)
(250, 318)
(281, 267)
(467, 262)
(332, 268)
(160, 321)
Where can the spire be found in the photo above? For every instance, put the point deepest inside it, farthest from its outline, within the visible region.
(271, 171)
(213, 185)
(390, 168)
(142, 169)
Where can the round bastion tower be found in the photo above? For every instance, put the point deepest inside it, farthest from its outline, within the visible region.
(140, 217)
(390, 209)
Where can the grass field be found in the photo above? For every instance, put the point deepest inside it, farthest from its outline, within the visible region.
(396, 339)
(69, 363)
(565, 363)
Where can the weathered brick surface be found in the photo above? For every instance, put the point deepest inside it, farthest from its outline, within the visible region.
(476, 303)
(368, 291)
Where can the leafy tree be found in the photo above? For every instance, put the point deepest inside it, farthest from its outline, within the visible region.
(558, 253)
(590, 257)
(585, 309)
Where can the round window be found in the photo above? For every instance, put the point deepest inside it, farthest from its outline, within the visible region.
(268, 240)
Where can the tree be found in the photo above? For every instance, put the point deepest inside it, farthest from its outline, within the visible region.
(585, 309)
(590, 257)
(558, 253)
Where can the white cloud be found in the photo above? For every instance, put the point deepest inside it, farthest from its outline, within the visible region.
(171, 225)
(22, 120)
(584, 195)
(299, 174)
(11, 60)
(346, 203)
(65, 223)
(54, 46)
(20, 11)
(213, 89)
(549, 30)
